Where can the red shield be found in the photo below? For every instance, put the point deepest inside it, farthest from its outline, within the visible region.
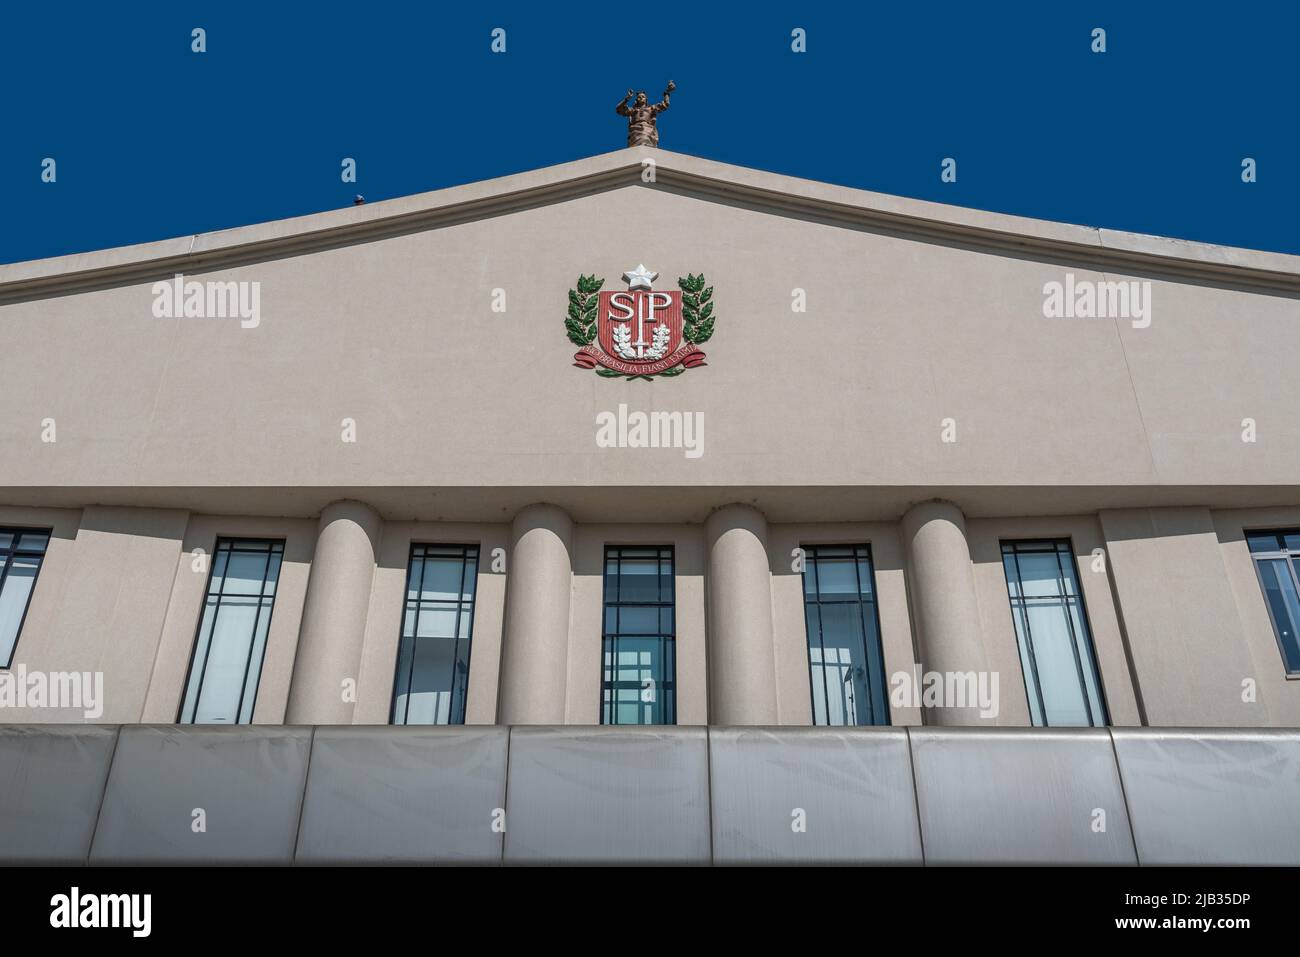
(640, 327)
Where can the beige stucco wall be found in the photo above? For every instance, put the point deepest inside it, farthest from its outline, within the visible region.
(1182, 621)
(100, 601)
(399, 334)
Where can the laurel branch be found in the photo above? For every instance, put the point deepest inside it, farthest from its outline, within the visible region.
(697, 309)
(581, 320)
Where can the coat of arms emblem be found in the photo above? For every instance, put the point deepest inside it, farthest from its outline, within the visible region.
(642, 332)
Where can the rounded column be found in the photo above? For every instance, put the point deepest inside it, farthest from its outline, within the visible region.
(334, 614)
(534, 654)
(742, 654)
(943, 598)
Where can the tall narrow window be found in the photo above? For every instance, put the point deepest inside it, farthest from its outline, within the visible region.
(845, 662)
(1277, 562)
(433, 657)
(640, 661)
(1056, 652)
(227, 661)
(21, 552)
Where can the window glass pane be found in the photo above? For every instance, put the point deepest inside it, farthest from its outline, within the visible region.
(195, 678)
(33, 542)
(272, 573)
(442, 579)
(18, 584)
(1058, 677)
(414, 578)
(21, 554)
(1262, 542)
(219, 569)
(846, 665)
(639, 581)
(432, 682)
(224, 671)
(1091, 684)
(816, 675)
(1027, 664)
(844, 669)
(230, 645)
(1013, 574)
(611, 581)
(405, 651)
(1039, 574)
(638, 620)
(638, 669)
(244, 572)
(1292, 540)
(432, 674)
(1065, 563)
(667, 620)
(837, 578)
(865, 579)
(437, 621)
(256, 655)
(1280, 593)
(1052, 635)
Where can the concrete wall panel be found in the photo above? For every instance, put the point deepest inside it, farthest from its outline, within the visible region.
(51, 783)
(812, 796)
(404, 795)
(1019, 797)
(605, 795)
(1212, 797)
(247, 781)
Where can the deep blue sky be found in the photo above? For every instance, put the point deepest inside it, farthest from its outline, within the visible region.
(154, 141)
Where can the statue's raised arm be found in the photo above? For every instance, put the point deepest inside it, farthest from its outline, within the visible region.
(663, 104)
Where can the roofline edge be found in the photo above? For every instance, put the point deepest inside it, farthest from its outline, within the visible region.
(1107, 250)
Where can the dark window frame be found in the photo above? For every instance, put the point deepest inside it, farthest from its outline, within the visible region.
(877, 683)
(1292, 558)
(231, 541)
(467, 551)
(6, 563)
(667, 688)
(1054, 544)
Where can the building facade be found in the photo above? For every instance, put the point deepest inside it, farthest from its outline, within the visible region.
(941, 469)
